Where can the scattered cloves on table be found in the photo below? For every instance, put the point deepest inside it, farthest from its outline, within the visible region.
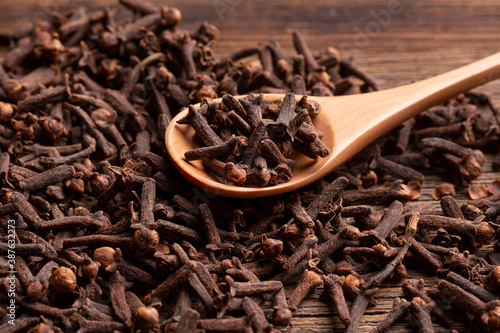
(110, 237)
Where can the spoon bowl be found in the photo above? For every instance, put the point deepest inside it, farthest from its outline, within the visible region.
(349, 123)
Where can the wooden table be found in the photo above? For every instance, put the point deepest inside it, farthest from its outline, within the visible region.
(396, 41)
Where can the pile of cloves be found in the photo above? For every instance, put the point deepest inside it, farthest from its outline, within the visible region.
(109, 237)
(248, 141)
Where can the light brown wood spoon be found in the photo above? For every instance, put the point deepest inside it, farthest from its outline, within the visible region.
(349, 124)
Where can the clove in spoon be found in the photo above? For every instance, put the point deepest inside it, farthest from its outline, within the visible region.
(349, 124)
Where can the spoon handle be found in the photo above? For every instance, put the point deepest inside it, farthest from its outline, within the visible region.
(438, 89)
(371, 115)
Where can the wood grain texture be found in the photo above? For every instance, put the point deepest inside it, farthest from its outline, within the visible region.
(422, 39)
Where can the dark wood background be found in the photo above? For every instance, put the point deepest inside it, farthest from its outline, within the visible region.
(418, 40)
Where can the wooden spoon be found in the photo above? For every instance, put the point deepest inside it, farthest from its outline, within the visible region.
(349, 124)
